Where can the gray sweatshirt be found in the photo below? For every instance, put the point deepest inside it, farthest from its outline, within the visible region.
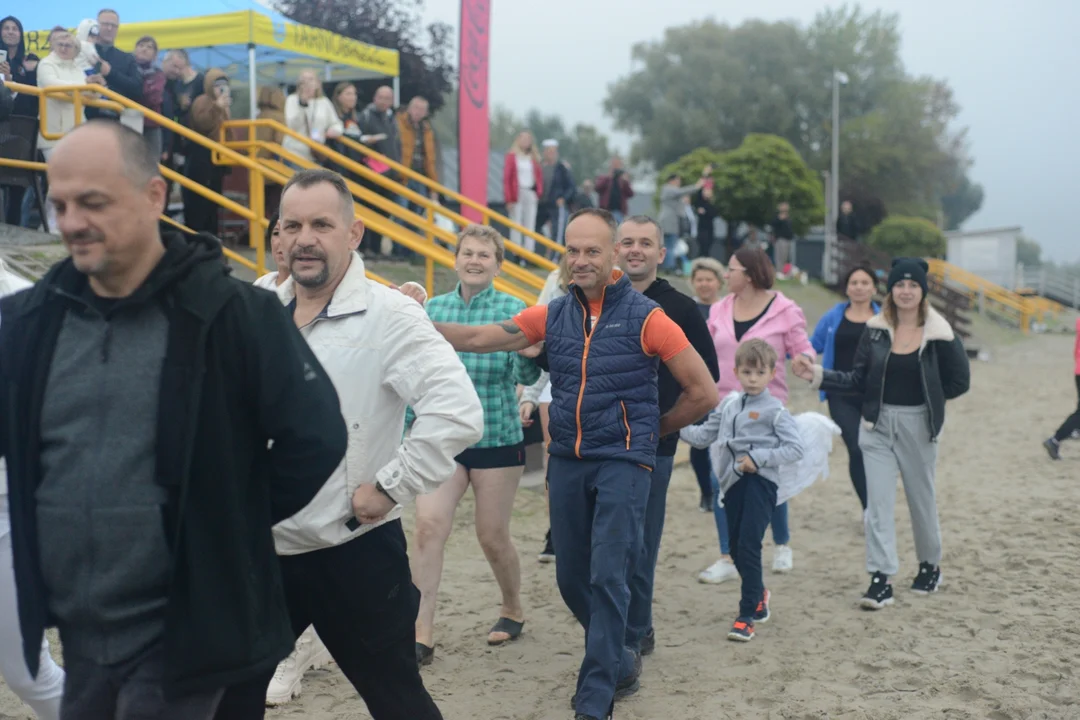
(101, 535)
(754, 426)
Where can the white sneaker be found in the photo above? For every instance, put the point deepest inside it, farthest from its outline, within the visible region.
(782, 560)
(309, 653)
(720, 571)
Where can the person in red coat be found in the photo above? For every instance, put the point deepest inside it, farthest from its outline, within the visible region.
(523, 184)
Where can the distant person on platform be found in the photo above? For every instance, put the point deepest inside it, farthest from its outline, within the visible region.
(614, 191)
(559, 191)
(379, 131)
(847, 224)
(119, 68)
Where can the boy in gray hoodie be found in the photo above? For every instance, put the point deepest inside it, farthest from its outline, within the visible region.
(753, 436)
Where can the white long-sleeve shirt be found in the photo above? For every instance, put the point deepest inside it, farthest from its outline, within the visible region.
(383, 354)
(313, 121)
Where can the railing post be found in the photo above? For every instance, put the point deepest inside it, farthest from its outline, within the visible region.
(982, 301)
(430, 234)
(256, 237)
(429, 276)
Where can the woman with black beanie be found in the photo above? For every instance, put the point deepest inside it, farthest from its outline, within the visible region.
(908, 363)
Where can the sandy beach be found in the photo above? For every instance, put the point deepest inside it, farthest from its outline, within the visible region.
(1000, 641)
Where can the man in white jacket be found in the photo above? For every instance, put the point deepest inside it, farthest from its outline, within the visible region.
(344, 561)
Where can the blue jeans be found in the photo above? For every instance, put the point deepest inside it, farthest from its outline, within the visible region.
(749, 504)
(669, 244)
(639, 617)
(597, 514)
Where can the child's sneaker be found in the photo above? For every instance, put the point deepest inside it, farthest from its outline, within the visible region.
(742, 630)
(928, 579)
(1053, 448)
(880, 593)
(762, 613)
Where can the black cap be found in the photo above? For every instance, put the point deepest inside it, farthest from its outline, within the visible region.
(909, 269)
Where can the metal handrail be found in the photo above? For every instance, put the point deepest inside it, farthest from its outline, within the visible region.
(257, 212)
(487, 213)
(372, 198)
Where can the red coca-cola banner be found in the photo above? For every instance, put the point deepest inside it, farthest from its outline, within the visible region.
(473, 137)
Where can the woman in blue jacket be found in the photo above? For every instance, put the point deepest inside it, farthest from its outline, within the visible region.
(835, 339)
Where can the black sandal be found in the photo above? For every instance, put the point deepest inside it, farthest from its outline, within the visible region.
(508, 626)
(424, 654)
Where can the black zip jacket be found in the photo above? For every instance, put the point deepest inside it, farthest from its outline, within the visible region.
(124, 78)
(237, 375)
(685, 313)
(946, 374)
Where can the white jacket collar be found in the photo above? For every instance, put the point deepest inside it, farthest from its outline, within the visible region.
(350, 297)
(936, 327)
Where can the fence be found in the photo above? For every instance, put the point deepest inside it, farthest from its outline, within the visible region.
(1049, 282)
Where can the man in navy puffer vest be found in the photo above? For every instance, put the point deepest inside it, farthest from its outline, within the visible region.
(604, 343)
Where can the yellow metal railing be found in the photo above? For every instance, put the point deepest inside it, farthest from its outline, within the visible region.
(489, 216)
(389, 205)
(998, 299)
(262, 170)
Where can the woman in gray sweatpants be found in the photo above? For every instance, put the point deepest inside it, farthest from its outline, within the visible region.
(908, 363)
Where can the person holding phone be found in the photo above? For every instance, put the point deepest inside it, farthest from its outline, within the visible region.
(704, 204)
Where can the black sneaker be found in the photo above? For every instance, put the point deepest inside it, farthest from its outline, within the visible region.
(631, 683)
(1053, 448)
(928, 580)
(880, 593)
(626, 687)
(762, 613)
(648, 643)
(547, 555)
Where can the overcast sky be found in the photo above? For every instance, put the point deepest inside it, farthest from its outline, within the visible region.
(1012, 67)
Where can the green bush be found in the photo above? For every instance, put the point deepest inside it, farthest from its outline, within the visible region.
(900, 236)
(751, 180)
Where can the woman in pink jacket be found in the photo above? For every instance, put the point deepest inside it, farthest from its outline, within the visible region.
(754, 310)
(1071, 426)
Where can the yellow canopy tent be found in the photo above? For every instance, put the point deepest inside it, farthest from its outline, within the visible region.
(258, 47)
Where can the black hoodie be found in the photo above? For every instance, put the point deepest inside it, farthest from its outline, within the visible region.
(685, 313)
(25, 103)
(234, 376)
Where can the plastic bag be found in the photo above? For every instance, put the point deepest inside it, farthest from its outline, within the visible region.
(817, 433)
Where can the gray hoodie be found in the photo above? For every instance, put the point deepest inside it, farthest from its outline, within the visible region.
(758, 426)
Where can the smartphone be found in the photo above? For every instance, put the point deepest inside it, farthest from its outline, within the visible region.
(3, 56)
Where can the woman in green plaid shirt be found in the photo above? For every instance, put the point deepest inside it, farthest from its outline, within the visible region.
(494, 465)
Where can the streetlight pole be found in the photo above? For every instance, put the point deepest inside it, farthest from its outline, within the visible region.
(833, 208)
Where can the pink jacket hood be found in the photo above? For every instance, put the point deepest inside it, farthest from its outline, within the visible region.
(783, 327)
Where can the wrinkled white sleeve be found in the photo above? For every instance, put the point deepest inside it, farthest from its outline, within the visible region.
(423, 369)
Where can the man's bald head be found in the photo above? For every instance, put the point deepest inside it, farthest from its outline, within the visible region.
(108, 195)
(138, 162)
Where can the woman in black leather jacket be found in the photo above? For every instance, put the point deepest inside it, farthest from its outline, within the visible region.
(909, 362)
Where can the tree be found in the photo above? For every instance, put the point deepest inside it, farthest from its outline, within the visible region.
(1028, 252)
(900, 236)
(584, 148)
(426, 66)
(709, 85)
(752, 179)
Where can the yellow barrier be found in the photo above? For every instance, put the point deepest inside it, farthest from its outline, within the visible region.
(485, 212)
(373, 198)
(256, 214)
(1025, 309)
(261, 170)
(432, 253)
